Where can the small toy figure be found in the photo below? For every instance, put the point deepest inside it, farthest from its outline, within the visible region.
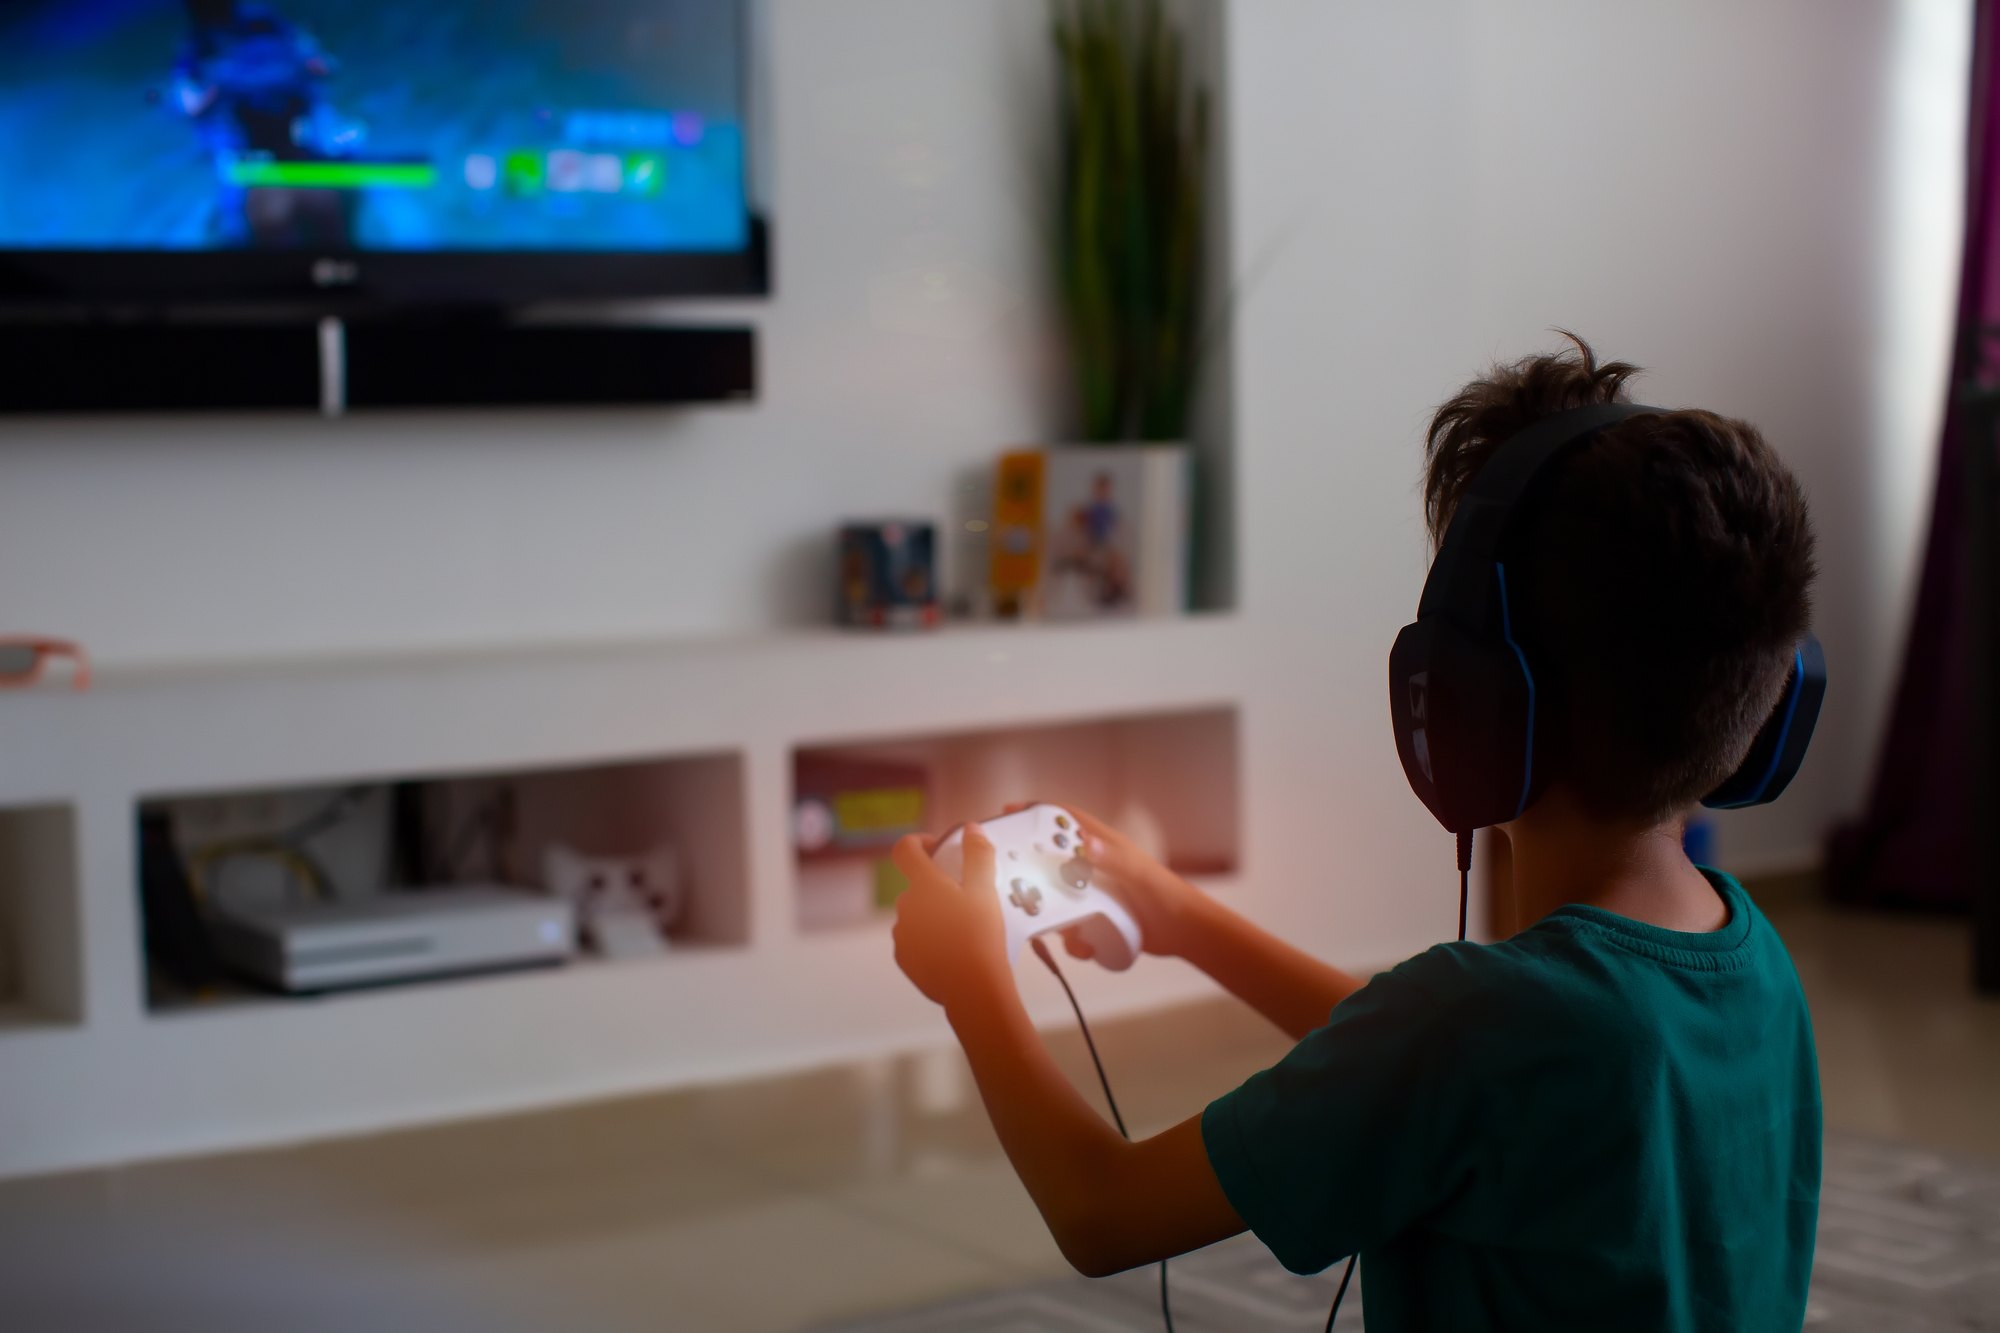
(888, 575)
(624, 905)
(1015, 565)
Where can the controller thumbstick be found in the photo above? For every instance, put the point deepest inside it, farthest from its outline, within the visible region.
(1075, 873)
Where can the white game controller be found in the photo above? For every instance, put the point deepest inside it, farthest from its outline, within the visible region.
(1042, 872)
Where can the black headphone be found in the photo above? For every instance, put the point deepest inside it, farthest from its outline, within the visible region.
(1462, 692)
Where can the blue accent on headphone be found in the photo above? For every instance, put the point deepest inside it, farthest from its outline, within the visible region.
(1507, 633)
(1797, 688)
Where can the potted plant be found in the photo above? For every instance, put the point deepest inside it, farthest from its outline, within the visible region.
(1128, 247)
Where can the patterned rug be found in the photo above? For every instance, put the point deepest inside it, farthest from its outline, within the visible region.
(1909, 1240)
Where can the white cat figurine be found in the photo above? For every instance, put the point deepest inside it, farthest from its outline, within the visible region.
(624, 904)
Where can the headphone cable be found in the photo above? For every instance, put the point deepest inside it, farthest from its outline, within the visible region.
(1464, 899)
(1464, 879)
(1104, 1081)
(1048, 959)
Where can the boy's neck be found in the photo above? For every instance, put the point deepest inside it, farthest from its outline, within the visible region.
(1556, 855)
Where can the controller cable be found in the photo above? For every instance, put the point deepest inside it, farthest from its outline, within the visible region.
(1090, 1043)
(1048, 959)
(1464, 897)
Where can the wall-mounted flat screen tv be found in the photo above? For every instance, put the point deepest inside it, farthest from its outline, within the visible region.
(459, 151)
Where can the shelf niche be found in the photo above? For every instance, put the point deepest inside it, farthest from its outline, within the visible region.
(1177, 772)
(488, 828)
(41, 957)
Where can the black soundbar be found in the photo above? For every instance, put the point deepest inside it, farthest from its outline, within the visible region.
(59, 367)
(473, 364)
(375, 363)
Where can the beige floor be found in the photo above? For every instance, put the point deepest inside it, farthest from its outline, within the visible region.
(769, 1205)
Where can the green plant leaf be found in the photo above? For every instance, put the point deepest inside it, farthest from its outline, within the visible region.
(1129, 228)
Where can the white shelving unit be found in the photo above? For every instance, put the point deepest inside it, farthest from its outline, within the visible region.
(88, 1074)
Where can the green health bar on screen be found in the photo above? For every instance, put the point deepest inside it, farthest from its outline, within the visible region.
(253, 175)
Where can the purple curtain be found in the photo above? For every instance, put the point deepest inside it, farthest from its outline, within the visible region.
(1912, 844)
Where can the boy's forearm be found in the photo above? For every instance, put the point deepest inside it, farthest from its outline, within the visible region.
(1285, 984)
(1062, 1150)
(1110, 1204)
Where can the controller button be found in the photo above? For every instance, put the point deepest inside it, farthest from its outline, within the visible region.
(1061, 841)
(1027, 898)
(1062, 821)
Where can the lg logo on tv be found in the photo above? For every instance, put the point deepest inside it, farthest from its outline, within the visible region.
(335, 273)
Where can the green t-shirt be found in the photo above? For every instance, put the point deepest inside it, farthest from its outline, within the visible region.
(1597, 1124)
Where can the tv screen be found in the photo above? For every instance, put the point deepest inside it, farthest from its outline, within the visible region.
(249, 147)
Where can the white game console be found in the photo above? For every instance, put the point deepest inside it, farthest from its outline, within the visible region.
(394, 937)
(1042, 872)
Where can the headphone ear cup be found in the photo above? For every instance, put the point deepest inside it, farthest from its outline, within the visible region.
(1774, 757)
(1464, 717)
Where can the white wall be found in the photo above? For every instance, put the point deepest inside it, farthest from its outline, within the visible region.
(905, 344)
(1756, 201)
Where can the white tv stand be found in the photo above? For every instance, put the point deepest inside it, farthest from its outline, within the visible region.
(90, 1074)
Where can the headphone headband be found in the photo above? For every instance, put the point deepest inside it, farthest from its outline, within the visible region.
(1464, 565)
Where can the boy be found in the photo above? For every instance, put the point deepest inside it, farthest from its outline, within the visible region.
(1608, 1120)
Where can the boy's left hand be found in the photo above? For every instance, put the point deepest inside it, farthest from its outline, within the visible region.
(950, 940)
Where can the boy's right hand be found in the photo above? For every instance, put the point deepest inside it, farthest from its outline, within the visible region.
(1161, 902)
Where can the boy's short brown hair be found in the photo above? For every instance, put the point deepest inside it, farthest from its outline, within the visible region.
(1664, 570)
